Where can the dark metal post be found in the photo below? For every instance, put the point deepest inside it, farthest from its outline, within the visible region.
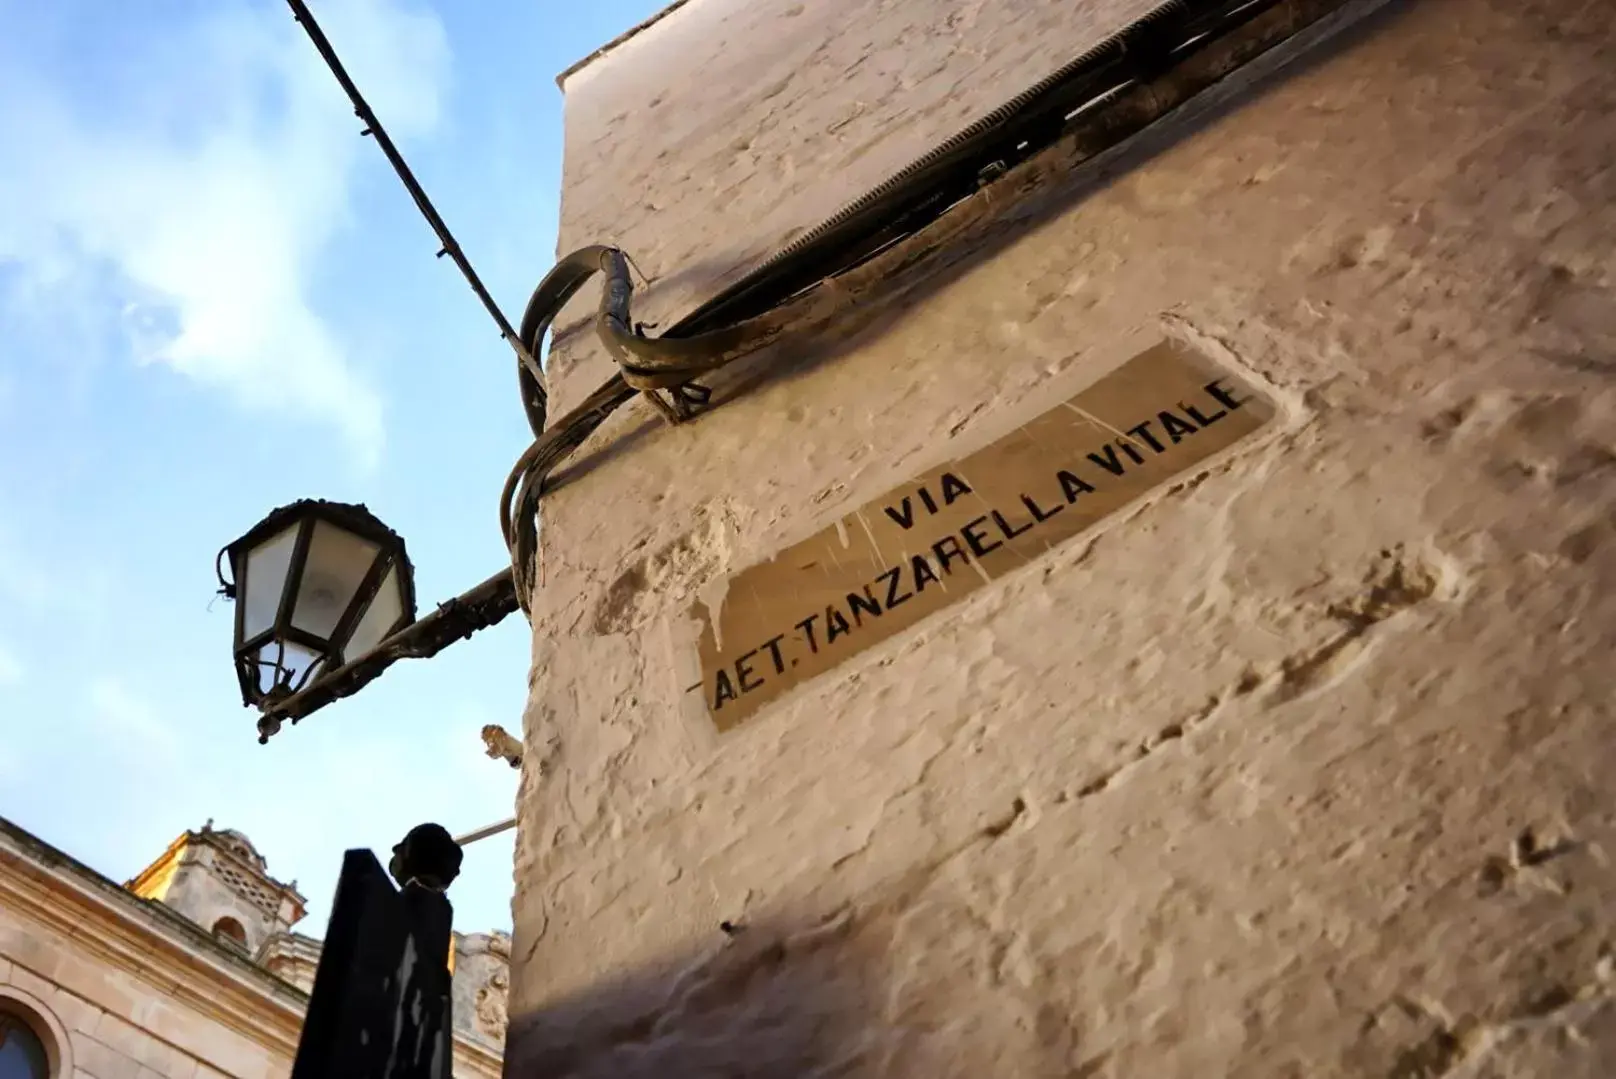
(380, 1008)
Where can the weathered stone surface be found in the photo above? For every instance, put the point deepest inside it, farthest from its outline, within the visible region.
(1297, 769)
(117, 1019)
(101, 1061)
(758, 133)
(481, 985)
(799, 107)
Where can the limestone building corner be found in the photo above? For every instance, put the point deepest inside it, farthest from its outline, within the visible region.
(218, 880)
(191, 970)
(1284, 756)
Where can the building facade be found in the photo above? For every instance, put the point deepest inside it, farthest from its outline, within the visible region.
(191, 970)
(1281, 751)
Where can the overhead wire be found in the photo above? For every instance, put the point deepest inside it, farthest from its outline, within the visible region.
(447, 243)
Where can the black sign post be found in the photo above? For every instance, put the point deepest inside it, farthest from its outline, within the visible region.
(380, 1008)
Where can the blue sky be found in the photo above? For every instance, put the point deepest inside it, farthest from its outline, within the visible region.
(215, 298)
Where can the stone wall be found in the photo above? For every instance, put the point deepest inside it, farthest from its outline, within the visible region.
(116, 1024)
(124, 988)
(205, 899)
(212, 875)
(1296, 768)
(120, 987)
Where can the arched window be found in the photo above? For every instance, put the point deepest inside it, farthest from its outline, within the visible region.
(22, 1053)
(229, 929)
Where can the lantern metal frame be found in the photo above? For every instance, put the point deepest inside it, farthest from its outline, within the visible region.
(329, 652)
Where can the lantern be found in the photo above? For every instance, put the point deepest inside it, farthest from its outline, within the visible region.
(316, 584)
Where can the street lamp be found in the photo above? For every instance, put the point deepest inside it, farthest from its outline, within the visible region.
(314, 583)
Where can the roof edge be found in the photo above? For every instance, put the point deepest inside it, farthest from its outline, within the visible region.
(633, 31)
(139, 880)
(149, 915)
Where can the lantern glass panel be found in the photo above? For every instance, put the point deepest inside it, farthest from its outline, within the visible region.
(334, 570)
(287, 664)
(382, 615)
(265, 581)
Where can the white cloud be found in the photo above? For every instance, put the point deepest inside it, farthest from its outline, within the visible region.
(207, 172)
(129, 720)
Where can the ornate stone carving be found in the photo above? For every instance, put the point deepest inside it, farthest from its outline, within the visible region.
(490, 1006)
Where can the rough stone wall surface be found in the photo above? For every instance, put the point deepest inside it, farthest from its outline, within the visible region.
(704, 176)
(1298, 769)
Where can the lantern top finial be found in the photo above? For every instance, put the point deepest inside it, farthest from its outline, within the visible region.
(353, 517)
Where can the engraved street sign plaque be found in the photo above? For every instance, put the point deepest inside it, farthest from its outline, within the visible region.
(933, 541)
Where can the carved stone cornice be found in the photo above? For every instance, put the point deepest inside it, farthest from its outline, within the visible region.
(148, 942)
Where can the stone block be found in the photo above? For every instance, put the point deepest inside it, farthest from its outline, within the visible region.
(58, 961)
(27, 979)
(137, 1044)
(198, 1036)
(184, 1067)
(73, 1011)
(26, 943)
(105, 986)
(76, 1013)
(101, 1060)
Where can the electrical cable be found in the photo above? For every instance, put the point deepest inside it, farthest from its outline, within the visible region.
(645, 366)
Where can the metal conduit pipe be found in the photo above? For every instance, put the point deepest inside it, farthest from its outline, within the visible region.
(485, 832)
